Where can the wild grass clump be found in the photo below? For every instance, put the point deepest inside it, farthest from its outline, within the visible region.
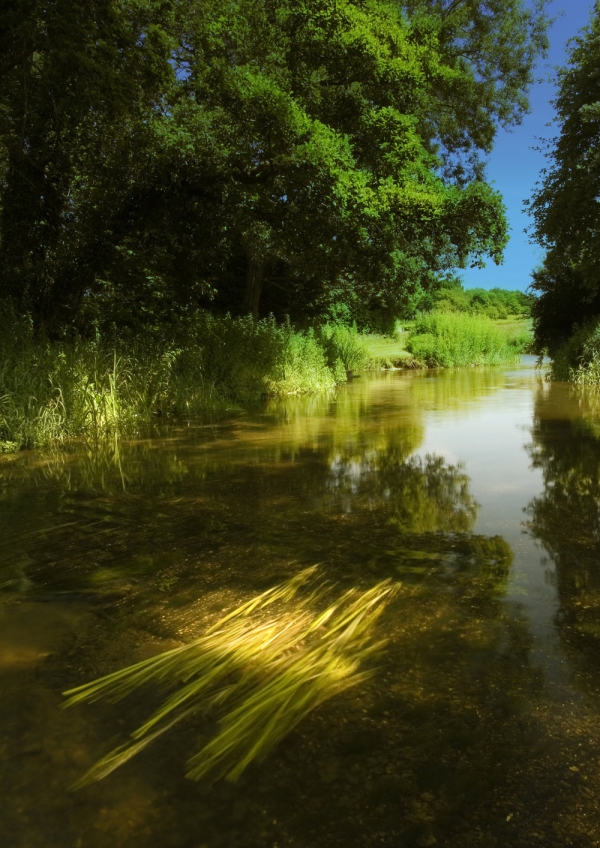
(52, 390)
(344, 347)
(262, 668)
(447, 340)
(520, 335)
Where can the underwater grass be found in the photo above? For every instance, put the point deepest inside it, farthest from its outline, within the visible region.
(451, 340)
(263, 668)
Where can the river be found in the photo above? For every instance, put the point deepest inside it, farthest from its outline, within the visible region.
(476, 490)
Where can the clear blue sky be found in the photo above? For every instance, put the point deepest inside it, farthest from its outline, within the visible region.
(514, 167)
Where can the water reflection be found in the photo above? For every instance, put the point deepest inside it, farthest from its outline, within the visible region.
(565, 518)
(457, 740)
(307, 479)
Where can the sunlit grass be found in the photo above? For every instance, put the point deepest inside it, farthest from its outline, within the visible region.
(388, 351)
(449, 340)
(262, 668)
(51, 390)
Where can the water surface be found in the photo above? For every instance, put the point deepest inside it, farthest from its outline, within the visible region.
(478, 490)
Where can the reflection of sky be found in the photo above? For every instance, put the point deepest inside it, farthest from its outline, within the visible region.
(514, 166)
(489, 438)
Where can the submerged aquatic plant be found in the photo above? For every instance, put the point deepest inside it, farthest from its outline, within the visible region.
(265, 665)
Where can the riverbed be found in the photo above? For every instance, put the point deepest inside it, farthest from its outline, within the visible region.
(476, 490)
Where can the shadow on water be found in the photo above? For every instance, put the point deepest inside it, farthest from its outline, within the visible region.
(112, 558)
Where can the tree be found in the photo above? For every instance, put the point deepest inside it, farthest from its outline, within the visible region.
(565, 206)
(72, 70)
(302, 150)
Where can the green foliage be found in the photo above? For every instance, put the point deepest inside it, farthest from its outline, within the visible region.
(50, 390)
(578, 358)
(565, 209)
(264, 671)
(495, 303)
(387, 351)
(449, 340)
(155, 155)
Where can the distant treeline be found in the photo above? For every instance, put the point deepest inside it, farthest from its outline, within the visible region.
(495, 303)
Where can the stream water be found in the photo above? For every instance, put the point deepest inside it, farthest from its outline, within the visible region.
(477, 490)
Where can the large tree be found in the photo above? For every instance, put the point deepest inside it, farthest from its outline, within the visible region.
(158, 153)
(566, 204)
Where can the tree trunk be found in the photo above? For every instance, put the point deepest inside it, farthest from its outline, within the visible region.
(254, 281)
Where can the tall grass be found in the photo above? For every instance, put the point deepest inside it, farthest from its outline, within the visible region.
(51, 390)
(262, 667)
(345, 348)
(447, 340)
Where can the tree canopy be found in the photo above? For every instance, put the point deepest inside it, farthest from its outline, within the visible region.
(566, 204)
(281, 154)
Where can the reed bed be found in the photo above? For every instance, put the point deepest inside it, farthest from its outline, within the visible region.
(456, 340)
(262, 668)
(52, 390)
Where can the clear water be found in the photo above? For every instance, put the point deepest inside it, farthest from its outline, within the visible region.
(479, 490)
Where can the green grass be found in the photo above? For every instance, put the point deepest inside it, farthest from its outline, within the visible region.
(344, 347)
(352, 351)
(56, 390)
(457, 340)
(387, 351)
(262, 668)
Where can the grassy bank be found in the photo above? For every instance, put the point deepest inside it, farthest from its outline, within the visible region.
(456, 340)
(53, 390)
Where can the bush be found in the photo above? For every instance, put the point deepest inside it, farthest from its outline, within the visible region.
(446, 340)
(578, 359)
(495, 303)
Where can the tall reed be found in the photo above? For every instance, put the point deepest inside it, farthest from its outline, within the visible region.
(262, 667)
(344, 347)
(447, 340)
(52, 390)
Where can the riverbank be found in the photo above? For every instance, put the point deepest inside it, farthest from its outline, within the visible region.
(207, 366)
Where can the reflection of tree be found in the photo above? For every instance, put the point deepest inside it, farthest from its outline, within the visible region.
(331, 481)
(422, 495)
(566, 517)
(455, 388)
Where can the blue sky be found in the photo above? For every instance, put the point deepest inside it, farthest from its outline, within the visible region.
(514, 167)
